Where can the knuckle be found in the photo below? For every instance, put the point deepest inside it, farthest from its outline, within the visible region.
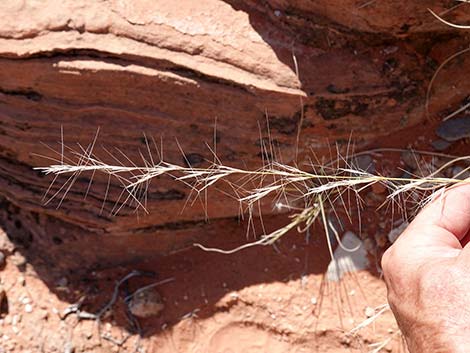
(388, 259)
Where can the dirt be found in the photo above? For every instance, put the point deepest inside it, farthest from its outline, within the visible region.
(289, 307)
(179, 72)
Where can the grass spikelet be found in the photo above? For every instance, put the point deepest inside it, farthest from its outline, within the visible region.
(307, 192)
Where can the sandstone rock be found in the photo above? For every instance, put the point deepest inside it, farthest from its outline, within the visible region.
(170, 72)
(368, 16)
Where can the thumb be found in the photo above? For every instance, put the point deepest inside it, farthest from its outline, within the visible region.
(445, 221)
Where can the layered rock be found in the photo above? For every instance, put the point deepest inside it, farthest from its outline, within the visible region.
(179, 72)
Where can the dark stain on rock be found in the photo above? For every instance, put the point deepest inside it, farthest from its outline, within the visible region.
(331, 109)
(193, 159)
(331, 126)
(431, 63)
(284, 125)
(288, 125)
(28, 94)
(389, 65)
(336, 90)
(266, 142)
(23, 126)
(57, 240)
(265, 155)
(173, 226)
(218, 136)
(404, 92)
(405, 28)
(172, 194)
(233, 156)
(19, 235)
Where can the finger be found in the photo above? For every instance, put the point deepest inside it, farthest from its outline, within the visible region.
(437, 231)
(449, 212)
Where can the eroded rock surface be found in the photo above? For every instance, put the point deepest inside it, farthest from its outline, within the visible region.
(172, 71)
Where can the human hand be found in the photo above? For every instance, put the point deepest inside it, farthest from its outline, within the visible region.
(427, 275)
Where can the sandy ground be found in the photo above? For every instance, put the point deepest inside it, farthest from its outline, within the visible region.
(259, 300)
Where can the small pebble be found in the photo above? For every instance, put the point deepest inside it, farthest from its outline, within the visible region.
(440, 145)
(365, 163)
(44, 314)
(454, 129)
(146, 303)
(390, 50)
(16, 320)
(410, 159)
(369, 311)
(62, 282)
(28, 308)
(69, 348)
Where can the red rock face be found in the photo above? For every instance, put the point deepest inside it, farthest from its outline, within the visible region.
(177, 71)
